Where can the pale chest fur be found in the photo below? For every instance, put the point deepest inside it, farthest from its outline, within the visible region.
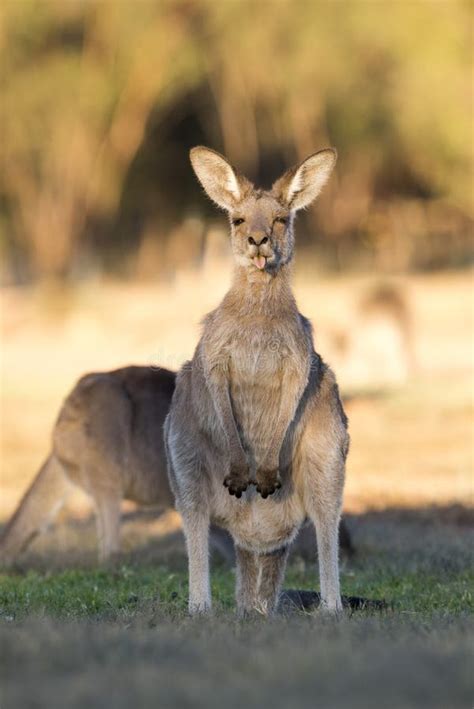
(266, 360)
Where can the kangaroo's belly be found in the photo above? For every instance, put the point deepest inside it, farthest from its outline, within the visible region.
(257, 524)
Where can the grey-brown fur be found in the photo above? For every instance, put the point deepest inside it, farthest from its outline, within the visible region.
(111, 421)
(108, 441)
(256, 411)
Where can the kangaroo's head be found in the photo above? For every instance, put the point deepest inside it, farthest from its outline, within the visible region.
(262, 220)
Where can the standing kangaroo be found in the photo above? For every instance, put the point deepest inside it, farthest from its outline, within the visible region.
(257, 413)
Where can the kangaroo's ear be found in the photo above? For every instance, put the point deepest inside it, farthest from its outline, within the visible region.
(300, 185)
(222, 183)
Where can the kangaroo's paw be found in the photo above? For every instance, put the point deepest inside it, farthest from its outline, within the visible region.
(268, 481)
(237, 481)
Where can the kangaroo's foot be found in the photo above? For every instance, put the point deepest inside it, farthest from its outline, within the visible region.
(331, 608)
(199, 609)
(268, 481)
(237, 481)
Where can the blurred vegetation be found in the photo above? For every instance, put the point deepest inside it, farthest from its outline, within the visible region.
(102, 100)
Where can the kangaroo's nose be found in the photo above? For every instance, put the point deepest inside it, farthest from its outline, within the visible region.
(253, 242)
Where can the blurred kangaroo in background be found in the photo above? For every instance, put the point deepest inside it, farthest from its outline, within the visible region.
(378, 348)
(257, 413)
(108, 441)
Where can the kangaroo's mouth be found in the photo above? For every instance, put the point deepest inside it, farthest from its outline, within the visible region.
(260, 262)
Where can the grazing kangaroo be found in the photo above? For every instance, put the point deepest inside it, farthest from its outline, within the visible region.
(107, 441)
(257, 413)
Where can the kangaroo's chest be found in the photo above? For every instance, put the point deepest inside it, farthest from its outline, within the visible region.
(257, 357)
(256, 374)
(266, 361)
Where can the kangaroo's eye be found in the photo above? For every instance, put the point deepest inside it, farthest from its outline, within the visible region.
(237, 222)
(281, 220)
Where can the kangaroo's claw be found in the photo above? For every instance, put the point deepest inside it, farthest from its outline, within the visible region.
(268, 482)
(236, 484)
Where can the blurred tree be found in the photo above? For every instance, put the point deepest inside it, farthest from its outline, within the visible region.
(81, 81)
(101, 101)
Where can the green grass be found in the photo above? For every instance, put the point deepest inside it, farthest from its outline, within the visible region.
(128, 590)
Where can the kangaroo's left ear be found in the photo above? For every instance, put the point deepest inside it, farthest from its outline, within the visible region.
(300, 185)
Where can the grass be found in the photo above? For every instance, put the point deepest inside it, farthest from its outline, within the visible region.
(130, 591)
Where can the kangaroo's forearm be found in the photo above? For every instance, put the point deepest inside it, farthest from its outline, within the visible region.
(276, 442)
(288, 406)
(219, 387)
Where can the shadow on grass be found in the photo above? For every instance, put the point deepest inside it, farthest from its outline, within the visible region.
(431, 536)
(417, 560)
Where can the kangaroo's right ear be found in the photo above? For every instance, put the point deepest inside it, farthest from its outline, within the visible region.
(222, 183)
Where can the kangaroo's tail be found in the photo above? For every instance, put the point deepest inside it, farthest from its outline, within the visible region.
(38, 507)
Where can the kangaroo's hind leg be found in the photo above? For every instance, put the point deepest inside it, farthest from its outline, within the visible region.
(108, 518)
(247, 577)
(325, 473)
(189, 485)
(326, 521)
(196, 532)
(271, 573)
(102, 478)
(320, 466)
